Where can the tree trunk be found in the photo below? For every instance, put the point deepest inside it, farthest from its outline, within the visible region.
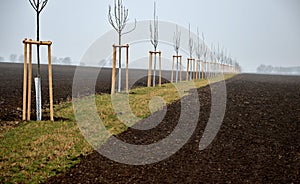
(120, 64)
(154, 72)
(38, 46)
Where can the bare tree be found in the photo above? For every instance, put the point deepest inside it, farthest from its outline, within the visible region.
(38, 6)
(176, 40)
(118, 20)
(213, 59)
(154, 38)
(218, 57)
(205, 54)
(191, 50)
(191, 43)
(13, 57)
(199, 49)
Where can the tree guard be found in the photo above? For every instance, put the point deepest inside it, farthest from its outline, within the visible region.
(27, 97)
(151, 53)
(113, 76)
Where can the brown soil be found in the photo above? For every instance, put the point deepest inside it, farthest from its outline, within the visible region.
(258, 141)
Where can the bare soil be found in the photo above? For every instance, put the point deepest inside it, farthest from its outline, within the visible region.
(258, 141)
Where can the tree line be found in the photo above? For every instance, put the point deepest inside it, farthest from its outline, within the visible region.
(14, 58)
(269, 69)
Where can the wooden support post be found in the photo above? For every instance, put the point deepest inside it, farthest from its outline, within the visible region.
(187, 69)
(194, 69)
(202, 69)
(50, 83)
(172, 76)
(113, 75)
(150, 69)
(160, 69)
(127, 60)
(180, 75)
(29, 83)
(24, 82)
(197, 70)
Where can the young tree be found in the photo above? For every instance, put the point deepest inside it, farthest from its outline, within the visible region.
(191, 49)
(154, 38)
(118, 20)
(176, 40)
(205, 54)
(199, 49)
(13, 57)
(38, 6)
(21, 58)
(212, 59)
(191, 43)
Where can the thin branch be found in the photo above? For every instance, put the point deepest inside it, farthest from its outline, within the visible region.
(154, 29)
(120, 18)
(176, 40)
(191, 43)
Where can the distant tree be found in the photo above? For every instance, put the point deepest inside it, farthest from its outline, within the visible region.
(66, 61)
(1, 59)
(103, 61)
(261, 69)
(118, 21)
(21, 58)
(54, 59)
(13, 57)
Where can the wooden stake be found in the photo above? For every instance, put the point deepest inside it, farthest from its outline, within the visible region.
(24, 82)
(150, 69)
(187, 69)
(29, 83)
(180, 78)
(159, 68)
(113, 76)
(50, 83)
(172, 76)
(37, 42)
(202, 69)
(127, 58)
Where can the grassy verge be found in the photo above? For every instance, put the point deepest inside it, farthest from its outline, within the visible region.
(35, 151)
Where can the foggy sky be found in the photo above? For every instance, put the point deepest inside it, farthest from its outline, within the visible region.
(253, 31)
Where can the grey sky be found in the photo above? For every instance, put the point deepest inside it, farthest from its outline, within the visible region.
(254, 31)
